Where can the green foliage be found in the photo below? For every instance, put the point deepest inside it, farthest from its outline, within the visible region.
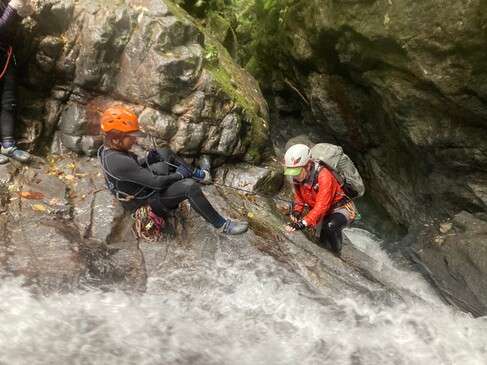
(259, 27)
(211, 54)
(201, 8)
(270, 40)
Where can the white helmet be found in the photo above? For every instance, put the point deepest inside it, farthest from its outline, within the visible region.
(295, 158)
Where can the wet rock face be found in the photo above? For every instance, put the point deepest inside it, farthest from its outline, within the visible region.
(62, 231)
(267, 180)
(79, 57)
(457, 253)
(57, 222)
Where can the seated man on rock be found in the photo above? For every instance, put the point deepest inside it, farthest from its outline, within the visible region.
(161, 180)
(317, 189)
(10, 15)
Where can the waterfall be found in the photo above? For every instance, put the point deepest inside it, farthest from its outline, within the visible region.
(241, 308)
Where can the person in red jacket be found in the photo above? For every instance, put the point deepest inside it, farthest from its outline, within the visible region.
(318, 193)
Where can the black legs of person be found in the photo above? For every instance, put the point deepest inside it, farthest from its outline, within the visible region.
(332, 231)
(189, 189)
(7, 115)
(186, 189)
(7, 119)
(170, 198)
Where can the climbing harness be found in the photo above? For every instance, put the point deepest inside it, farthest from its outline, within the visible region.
(113, 186)
(147, 224)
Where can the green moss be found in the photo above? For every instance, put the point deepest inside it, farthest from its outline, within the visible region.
(218, 26)
(259, 134)
(240, 88)
(237, 84)
(211, 55)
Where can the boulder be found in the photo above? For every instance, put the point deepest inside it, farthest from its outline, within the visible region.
(267, 180)
(56, 227)
(456, 258)
(149, 55)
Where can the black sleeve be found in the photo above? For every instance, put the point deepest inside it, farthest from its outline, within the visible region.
(142, 161)
(8, 17)
(127, 169)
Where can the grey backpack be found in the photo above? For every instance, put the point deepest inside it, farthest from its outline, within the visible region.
(344, 170)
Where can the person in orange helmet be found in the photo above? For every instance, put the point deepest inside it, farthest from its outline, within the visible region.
(161, 180)
(316, 190)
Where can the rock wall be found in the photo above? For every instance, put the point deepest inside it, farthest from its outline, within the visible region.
(78, 57)
(401, 84)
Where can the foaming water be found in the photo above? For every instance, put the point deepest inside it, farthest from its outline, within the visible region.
(414, 282)
(250, 312)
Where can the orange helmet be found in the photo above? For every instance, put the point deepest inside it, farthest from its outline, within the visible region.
(120, 119)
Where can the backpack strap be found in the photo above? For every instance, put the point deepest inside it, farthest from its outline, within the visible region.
(318, 167)
(313, 178)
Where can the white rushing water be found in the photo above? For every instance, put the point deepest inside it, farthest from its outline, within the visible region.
(250, 312)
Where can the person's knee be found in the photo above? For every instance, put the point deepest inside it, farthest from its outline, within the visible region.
(335, 223)
(9, 106)
(332, 225)
(192, 187)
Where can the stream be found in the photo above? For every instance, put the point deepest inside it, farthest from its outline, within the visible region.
(242, 307)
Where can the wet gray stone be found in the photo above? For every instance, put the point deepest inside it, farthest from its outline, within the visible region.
(5, 173)
(90, 144)
(160, 125)
(137, 53)
(456, 256)
(252, 178)
(230, 128)
(71, 142)
(107, 213)
(160, 79)
(73, 120)
(43, 256)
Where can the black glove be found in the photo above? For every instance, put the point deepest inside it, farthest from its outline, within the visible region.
(153, 157)
(184, 171)
(296, 215)
(298, 226)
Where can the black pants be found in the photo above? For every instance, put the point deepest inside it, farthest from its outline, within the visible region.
(8, 88)
(169, 199)
(331, 231)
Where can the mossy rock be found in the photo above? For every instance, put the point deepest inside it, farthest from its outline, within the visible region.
(239, 86)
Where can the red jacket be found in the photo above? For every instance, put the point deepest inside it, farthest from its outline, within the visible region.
(320, 198)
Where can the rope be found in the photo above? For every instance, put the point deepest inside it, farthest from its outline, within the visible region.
(147, 225)
(7, 63)
(248, 191)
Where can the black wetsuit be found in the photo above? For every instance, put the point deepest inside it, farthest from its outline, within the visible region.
(8, 85)
(331, 231)
(156, 184)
